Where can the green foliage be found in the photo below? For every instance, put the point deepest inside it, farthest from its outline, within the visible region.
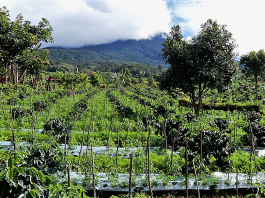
(18, 179)
(20, 42)
(206, 61)
(70, 78)
(254, 65)
(141, 52)
(96, 79)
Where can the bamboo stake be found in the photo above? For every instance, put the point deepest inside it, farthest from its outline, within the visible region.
(201, 145)
(186, 165)
(251, 156)
(173, 145)
(13, 131)
(164, 131)
(148, 159)
(196, 179)
(93, 172)
(81, 149)
(130, 177)
(236, 182)
(118, 144)
(69, 180)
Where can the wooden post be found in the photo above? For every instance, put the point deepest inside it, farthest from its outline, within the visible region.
(173, 146)
(148, 159)
(165, 134)
(186, 166)
(13, 130)
(93, 172)
(236, 182)
(69, 180)
(201, 145)
(196, 179)
(130, 177)
(81, 148)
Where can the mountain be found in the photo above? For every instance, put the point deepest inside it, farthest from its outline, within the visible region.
(144, 52)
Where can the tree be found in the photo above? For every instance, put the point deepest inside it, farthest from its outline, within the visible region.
(254, 65)
(122, 78)
(19, 40)
(70, 77)
(204, 62)
(96, 79)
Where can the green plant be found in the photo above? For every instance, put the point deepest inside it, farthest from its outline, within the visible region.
(124, 184)
(154, 183)
(144, 182)
(215, 180)
(18, 179)
(228, 182)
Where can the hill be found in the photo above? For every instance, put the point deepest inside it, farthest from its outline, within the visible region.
(144, 52)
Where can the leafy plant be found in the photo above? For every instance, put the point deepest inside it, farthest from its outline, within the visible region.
(18, 179)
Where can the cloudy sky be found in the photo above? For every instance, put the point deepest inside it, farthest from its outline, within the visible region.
(88, 22)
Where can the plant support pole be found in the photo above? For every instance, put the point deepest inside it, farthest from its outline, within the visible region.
(196, 179)
(69, 180)
(81, 149)
(165, 134)
(186, 166)
(148, 158)
(93, 172)
(130, 177)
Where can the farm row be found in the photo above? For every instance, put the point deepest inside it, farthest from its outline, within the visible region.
(97, 131)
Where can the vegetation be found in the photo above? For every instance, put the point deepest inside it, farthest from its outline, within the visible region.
(143, 52)
(19, 44)
(254, 65)
(205, 62)
(70, 135)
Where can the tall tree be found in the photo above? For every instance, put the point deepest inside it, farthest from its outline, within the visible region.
(19, 38)
(254, 65)
(204, 62)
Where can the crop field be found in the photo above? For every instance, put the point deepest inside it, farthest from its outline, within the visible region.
(131, 140)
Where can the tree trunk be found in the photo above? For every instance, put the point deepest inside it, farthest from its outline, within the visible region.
(200, 99)
(193, 103)
(23, 77)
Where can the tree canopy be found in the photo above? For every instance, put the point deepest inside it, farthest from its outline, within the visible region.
(254, 65)
(20, 42)
(204, 62)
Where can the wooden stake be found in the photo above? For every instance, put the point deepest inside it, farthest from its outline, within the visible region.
(186, 165)
(196, 179)
(165, 134)
(69, 180)
(148, 159)
(81, 148)
(130, 177)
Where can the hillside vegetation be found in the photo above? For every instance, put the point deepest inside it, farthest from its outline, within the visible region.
(111, 57)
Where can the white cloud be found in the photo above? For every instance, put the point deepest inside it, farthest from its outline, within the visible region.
(80, 22)
(244, 18)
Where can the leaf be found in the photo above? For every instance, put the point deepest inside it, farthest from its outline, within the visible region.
(21, 171)
(27, 194)
(48, 179)
(2, 174)
(10, 162)
(42, 176)
(34, 193)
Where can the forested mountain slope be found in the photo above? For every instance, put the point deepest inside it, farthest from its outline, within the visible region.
(144, 51)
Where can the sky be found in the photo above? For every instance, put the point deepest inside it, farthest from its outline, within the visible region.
(90, 22)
